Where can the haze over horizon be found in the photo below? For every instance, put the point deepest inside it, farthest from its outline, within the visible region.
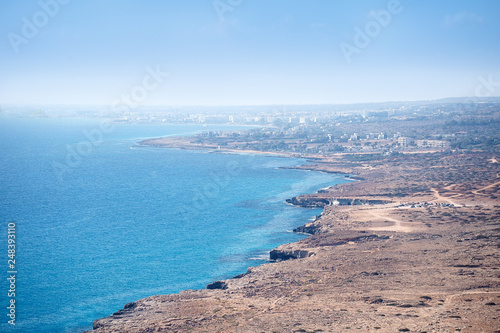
(237, 52)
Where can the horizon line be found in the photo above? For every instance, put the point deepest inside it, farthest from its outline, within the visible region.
(471, 98)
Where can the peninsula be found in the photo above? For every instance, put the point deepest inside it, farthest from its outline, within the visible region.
(413, 246)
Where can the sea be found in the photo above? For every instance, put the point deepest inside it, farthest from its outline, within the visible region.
(100, 221)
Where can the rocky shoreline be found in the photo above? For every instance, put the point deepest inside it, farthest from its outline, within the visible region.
(383, 256)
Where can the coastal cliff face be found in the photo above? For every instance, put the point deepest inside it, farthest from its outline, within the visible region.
(410, 264)
(280, 254)
(307, 202)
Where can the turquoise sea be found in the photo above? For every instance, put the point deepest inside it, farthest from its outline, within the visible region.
(101, 221)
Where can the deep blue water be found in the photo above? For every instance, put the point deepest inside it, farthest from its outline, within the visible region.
(101, 222)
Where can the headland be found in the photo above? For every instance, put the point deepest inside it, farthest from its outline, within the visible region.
(412, 247)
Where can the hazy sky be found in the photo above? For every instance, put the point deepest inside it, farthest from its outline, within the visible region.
(232, 52)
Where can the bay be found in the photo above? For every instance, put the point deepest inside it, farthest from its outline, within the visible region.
(101, 221)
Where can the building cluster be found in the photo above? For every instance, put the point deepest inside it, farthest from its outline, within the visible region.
(407, 142)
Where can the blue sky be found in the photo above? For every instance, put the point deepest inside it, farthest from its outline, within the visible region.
(254, 52)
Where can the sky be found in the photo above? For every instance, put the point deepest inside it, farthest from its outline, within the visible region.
(246, 52)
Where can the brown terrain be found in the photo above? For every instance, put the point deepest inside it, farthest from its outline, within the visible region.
(417, 252)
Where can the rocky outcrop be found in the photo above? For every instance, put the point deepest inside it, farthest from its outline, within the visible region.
(217, 285)
(309, 228)
(127, 309)
(281, 255)
(308, 202)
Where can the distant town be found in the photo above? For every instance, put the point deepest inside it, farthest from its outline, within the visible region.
(386, 128)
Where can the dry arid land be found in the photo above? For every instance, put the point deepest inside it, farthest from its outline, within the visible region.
(418, 252)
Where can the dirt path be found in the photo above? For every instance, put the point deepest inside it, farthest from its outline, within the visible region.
(398, 227)
(486, 187)
(447, 199)
(449, 298)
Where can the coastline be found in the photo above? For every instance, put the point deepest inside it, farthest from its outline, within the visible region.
(181, 143)
(303, 167)
(365, 256)
(274, 255)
